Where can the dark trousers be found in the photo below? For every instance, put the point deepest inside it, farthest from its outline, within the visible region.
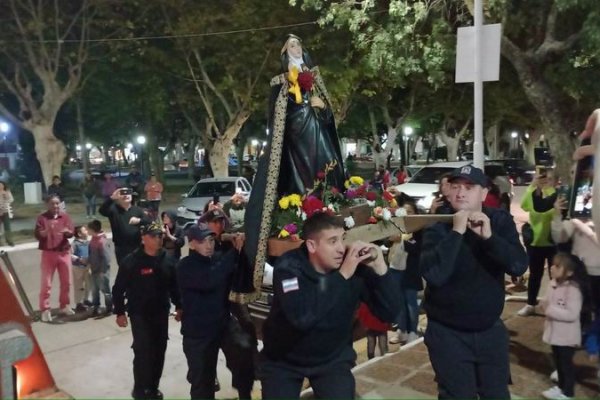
(538, 256)
(150, 335)
(281, 380)
(469, 365)
(563, 359)
(202, 353)
(5, 220)
(595, 293)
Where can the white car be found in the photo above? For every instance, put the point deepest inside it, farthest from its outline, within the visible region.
(204, 191)
(424, 183)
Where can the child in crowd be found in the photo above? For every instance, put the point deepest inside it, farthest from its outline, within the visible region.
(80, 270)
(376, 331)
(564, 300)
(99, 262)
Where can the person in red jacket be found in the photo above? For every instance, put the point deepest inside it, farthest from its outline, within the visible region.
(376, 331)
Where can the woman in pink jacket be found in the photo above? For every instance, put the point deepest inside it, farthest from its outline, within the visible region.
(562, 330)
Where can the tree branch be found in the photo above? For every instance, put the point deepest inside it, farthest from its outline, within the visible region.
(208, 82)
(203, 96)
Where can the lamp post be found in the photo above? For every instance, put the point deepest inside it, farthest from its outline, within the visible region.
(408, 130)
(141, 141)
(514, 135)
(4, 128)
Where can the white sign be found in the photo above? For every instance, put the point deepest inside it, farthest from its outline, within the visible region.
(490, 53)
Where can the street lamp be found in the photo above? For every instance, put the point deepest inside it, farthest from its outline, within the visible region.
(514, 135)
(408, 130)
(4, 128)
(141, 141)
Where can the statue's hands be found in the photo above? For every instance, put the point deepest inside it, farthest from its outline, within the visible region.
(317, 102)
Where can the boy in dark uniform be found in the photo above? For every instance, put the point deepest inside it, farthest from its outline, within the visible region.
(148, 280)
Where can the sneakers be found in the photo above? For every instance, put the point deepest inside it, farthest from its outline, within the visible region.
(526, 311)
(554, 376)
(46, 316)
(397, 336)
(67, 311)
(554, 393)
(411, 337)
(80, 308)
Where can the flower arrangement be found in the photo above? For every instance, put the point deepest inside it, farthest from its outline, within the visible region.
(293, 209)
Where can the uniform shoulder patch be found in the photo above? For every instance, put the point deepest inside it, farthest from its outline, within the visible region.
(289, 285)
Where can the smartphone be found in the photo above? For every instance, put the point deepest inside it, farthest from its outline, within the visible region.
(580, 201)
(215, 199)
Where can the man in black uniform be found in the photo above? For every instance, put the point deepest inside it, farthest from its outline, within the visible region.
(317, 290)
(464, 265)
(207, 325)
(147, 279)
(125, 220)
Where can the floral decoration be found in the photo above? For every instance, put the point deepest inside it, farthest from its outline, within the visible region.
(293, 209)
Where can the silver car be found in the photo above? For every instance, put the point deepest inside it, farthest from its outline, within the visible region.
(204, 191)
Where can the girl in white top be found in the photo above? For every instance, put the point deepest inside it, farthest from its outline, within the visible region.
(6, 199)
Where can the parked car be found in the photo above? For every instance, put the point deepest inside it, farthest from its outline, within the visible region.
(521, 171)
(204, 190)
(424, 183)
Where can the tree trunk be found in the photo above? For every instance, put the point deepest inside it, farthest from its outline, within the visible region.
(85, 155)
(491, 138)
(219, 157)
(50, 151)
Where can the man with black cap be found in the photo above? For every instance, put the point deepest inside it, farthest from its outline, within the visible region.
(147, 279)
(207, 324)
(464, 265)
(125, 219)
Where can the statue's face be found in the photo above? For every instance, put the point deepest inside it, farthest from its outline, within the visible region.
(295, 48)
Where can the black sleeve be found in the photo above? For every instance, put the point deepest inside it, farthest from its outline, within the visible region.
(179, 238)
(106, 209)
(303, 304)
(381, 294)
(438, 254)
(543, 204)
(174, 286)
(504, 246)
(119, 289)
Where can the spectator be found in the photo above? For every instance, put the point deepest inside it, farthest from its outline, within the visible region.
(56, 188)
(53, 228)
(493, 196)
(99, 262)
(317, 289)
(153, 191)
(204, 281)
(401, 175)
(376, 331)
(440, 204)
(147, 278)
(6, 199)
(90, 191)
(174, 237)
(235, 209)
(136, 182)
(385, 176)
(109, 185)
(541, 250)
(464, 265)
(124, 221)
(80, 268)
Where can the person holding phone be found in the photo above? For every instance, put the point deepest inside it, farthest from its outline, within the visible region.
(538, 200)
(124, 219)
(317, 289)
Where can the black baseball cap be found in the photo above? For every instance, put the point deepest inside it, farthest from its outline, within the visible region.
(199, 232)
(469, 173)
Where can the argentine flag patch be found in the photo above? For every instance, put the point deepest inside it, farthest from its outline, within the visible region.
(289, 285)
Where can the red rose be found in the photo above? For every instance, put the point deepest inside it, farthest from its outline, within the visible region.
(312, 204)
(306, 80)
(321, 175)
(388, 196)
(371, 196)
(372, 220)
(335, 190)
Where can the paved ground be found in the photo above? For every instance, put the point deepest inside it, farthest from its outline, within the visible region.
(91, 358)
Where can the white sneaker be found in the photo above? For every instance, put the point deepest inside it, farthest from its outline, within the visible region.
(46, 316)
(562, 396)
(67, 311)
(397, 337)
(411, 337)
(526, 311)
(554, 376)
(552, 393)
